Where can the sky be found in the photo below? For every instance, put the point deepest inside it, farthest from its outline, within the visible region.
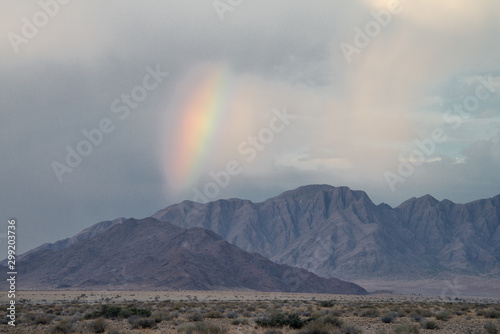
(121, 108)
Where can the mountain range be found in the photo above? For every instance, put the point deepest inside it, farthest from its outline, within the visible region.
(336, 231)
(148, 254)
(328, 231)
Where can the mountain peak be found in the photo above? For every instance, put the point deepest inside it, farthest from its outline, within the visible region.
(426, 199)
(341, 191)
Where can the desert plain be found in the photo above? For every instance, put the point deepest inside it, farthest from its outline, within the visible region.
(247, 312)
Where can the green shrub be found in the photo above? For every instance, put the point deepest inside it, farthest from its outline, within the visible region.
(129, 311)
(282, 320)
(387, 319)
(108, 311)
(111, 312)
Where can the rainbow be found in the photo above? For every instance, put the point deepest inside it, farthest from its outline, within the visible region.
(202, 111)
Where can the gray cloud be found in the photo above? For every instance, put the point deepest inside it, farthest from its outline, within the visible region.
(353, 120)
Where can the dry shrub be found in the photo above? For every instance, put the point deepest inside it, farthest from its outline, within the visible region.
(201, 328)
(98, 326)
(137, 322)
(407, 329)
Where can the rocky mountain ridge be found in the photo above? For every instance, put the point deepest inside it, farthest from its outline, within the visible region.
(335, 231)
(339, 232)
(148, 254)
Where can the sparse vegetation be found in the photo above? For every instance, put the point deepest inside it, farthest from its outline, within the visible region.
(65, 326)
(141, 323)
(326, 303)
(319, 328)
(98, 326)
(271, 316)
(281, 320)
(491, 314)
(407, 329)
(238, 321)
(273, 331)
(196, 316)
(430, 324)
(444, 315)
(111, 312)
(215, 314)
(329, 320)
(387, 319)
(424, 312)
(201, 328)
(491, 328)
(369, 312)
(350, 329)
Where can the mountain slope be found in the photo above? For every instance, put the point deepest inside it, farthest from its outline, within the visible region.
(463, 237)
(340, 232)
(149, 254)
(87, 233)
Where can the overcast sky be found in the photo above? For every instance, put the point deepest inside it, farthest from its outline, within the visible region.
(399, 99)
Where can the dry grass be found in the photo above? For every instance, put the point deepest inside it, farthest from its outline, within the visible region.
(330, 315)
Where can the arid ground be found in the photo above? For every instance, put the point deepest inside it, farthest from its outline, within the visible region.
(246, 312)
